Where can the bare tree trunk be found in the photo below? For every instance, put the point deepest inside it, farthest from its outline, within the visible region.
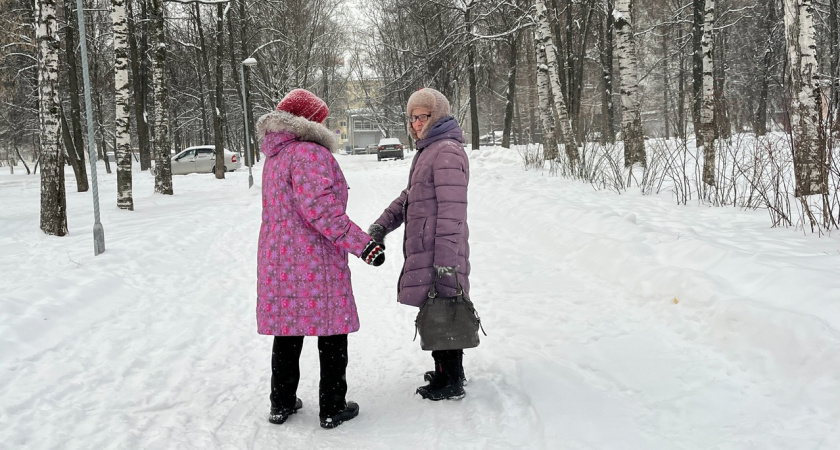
(163, 165)
(545, 43)
(218, 134)
(122, 112)
(834, 49)
(681, 119)
(140, 82)
(606, 54)
(76, 146)
(20, 158)
(549, 139)
(665, 87)
(806, 102)
(204, 69)
(474, 131)
(53, 195)
(67, 137)
(697, 68)
(255, 154)
(723, 126)
(707, 113)
(631, 121)
(511, 90)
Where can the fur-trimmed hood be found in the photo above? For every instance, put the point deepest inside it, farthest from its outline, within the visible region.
(305, 130)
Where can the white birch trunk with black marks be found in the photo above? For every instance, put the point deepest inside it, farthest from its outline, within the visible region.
(549, 138)
(544, 41)
(707, 109)
(806, 102)
(122, 112)
(53, 195)
(631, 120)
(218, 97)
(163, 165)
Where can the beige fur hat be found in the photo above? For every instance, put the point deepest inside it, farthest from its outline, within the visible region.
(432, 100)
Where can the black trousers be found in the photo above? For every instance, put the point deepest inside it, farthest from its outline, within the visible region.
(450, 363)
(285, 372)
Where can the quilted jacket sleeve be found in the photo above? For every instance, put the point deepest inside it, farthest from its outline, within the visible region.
(450, 177)
(392, 217)
(313, 177)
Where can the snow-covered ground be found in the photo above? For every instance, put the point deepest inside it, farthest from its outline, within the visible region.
(613, 321)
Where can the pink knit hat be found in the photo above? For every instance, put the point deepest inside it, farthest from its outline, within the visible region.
(303, 103)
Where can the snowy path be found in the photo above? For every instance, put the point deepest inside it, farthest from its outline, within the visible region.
(153, 345)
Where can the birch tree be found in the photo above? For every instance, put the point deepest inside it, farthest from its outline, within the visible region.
(122, 95)
(218, 133)
(549, 139)
(163, 166)
(707, 110)
(75, 144)
(53, 196)
(806, 101)
(545, 42)
(631, 121)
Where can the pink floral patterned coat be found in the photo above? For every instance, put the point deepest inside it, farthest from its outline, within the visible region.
(303, 281)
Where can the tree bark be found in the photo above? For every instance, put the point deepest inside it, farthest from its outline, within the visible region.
(76, 146)
(806, 100)
(255, 154)
(53, 195)
(218, 134)
(723, 125)
(549, 138)
(67, 138)
(203, 69)
(163, 165)
(697, 68)
(141, 84)
(474, 135)
(707, 113)
(631, 121)
(122, 111)
(547, 45)
(606, 55)
(834, 52)
(511, 90)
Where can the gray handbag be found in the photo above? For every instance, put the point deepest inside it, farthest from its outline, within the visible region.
(447, 323)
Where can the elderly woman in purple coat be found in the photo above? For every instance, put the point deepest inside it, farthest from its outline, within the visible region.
(433, 209)
(303, 280)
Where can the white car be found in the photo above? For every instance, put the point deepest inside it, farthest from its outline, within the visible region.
(202, 159)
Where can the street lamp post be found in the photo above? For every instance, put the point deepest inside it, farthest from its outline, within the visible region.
(248, 158)
(98, 230)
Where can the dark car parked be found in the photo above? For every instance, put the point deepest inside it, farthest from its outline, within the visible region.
(389, 148)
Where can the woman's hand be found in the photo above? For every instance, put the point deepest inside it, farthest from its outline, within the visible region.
(374, 253)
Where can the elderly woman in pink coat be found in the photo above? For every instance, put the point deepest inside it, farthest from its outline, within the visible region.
(303, 280)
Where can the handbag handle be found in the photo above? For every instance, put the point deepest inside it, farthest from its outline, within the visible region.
(433, 289)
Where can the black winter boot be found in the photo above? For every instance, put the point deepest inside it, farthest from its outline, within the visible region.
(445, 383)
(349, 412)
(279, 415)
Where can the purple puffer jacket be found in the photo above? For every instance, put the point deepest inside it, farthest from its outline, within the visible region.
(434, 209)
(303, 281)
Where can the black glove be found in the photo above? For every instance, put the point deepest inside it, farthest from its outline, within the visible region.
(374, 253)
(377, 233)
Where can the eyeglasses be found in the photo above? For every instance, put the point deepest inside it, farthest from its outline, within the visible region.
(422, 118)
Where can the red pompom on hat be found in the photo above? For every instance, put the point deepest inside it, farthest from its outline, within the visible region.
(303, 103)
